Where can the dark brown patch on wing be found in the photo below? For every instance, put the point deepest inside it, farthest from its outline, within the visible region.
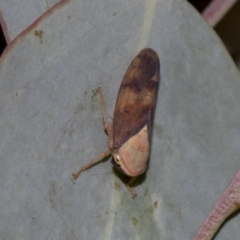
(136, 97)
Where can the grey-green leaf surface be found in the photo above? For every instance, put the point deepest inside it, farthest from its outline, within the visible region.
(17, 15)
(51, 124)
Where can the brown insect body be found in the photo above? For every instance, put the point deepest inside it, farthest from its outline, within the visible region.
(130, 133)
(133, 116)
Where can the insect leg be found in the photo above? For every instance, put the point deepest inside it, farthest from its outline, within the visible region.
(107, 126)
(130, 189)
(92, 162)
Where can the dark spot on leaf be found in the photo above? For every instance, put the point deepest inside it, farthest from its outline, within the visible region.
(134, 221)
(39, 34)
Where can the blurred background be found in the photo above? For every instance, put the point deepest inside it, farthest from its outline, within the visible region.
(222, 15)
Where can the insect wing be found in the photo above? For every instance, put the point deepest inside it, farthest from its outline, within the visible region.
(136, 98)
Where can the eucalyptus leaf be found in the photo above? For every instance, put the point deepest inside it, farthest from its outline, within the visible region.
(51, 124)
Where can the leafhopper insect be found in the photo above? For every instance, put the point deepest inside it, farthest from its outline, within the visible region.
(131, 129)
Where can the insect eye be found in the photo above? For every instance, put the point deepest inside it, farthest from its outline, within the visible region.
(117, 160)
